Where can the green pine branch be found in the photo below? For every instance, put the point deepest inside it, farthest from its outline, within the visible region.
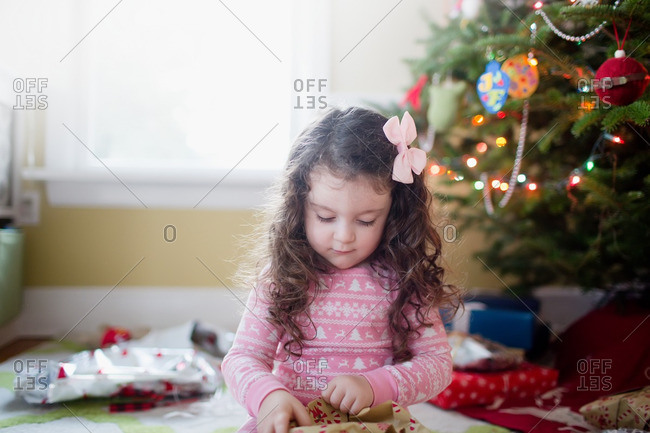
(638, 113)
(587, 121)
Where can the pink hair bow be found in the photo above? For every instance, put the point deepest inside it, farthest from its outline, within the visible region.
(408, 159)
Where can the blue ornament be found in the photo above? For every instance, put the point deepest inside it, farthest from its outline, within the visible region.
(492, 87)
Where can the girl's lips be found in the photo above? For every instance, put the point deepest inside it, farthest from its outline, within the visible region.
(342, 252)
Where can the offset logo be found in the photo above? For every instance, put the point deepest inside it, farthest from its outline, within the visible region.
(593, 101)
(312, 378)
(27, 374)
(309, 93)
(593, 374)
(449, 233)
(29, 93)
(169, 233)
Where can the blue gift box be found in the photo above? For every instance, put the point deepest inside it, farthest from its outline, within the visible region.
(512, 322)
(508, 327)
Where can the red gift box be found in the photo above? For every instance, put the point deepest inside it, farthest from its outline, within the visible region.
(468, 389)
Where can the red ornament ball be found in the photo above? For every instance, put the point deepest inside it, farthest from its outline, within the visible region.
(621, 80)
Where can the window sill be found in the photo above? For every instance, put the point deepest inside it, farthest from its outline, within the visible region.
(154, 188)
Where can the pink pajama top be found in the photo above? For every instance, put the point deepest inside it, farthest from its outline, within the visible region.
(349, 335)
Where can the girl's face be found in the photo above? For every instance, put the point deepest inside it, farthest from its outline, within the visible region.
(344, 220)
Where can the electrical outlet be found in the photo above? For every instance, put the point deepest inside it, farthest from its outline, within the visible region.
(29, 208)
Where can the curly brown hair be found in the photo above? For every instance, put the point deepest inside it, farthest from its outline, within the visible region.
(351, 143)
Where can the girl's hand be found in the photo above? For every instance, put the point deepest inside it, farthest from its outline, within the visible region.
(349, 394)
(277, 410)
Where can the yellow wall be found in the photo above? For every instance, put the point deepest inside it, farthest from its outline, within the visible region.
(461, 246)
(101, 247)
(89, 247)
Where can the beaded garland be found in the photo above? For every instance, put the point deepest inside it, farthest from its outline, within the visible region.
(516, 168)
(518, 157)
(572, 38)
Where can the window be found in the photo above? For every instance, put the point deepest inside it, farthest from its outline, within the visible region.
(181, 95)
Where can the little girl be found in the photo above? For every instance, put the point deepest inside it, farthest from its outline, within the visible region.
(346, 305)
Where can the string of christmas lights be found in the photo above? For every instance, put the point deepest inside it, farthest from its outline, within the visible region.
(452, 166)
(596, 152)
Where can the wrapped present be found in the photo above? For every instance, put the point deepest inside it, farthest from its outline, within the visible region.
(508, 322)
(468, 389)
(510, 328)
(628, 410)
(388, 417)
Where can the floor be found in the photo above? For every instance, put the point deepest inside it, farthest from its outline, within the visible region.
(18, 346)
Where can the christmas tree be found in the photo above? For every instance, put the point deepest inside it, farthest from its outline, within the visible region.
(557, 176)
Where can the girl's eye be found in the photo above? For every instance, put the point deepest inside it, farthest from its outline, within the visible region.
(367, 223)
(325, 220)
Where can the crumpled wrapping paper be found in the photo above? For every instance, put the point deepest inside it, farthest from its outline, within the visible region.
(120, 371)
(474, 353)
(387, 417)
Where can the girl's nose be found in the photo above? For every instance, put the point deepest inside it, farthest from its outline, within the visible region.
(344, 233)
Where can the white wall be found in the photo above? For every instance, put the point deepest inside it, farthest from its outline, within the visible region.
(372, 38)
(82, 314)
